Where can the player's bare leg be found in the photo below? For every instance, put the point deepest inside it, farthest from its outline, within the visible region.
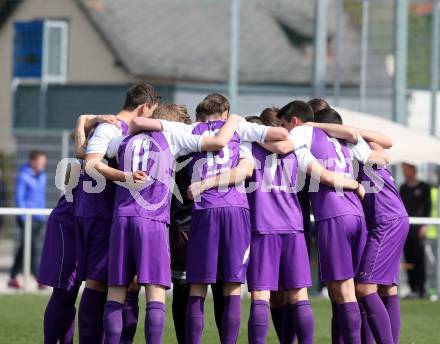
(390, 298)
(156, 313)
(346, 309)
(375, 312)
(117, 294)
(195, 313)
(96, 285)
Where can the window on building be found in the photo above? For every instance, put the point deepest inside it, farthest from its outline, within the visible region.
(55, 51)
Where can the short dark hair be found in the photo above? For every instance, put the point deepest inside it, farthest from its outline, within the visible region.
(213, 103)
(139, 94)
(35, 154)
(328, 116)
(298, 109)
(318, 104)
(269, 117)
(254, 119)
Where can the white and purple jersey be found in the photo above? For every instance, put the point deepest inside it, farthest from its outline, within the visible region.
(207, 164)
(150, 153)
(382, 200)
(334, 155)
(154, 154)
(274, 205)
(100, 204)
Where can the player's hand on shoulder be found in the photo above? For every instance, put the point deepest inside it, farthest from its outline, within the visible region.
(110, 119)
(360, 191)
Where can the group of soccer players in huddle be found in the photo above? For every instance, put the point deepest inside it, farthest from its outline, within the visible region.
(154, 199)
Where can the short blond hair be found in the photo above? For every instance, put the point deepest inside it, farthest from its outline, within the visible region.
(172, 112)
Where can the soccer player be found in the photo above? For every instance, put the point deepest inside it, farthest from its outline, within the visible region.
(58, 266)
(181, 208)
(278, 299)
(338, 214)
(95, 210)
(138, 240)
(387, 223)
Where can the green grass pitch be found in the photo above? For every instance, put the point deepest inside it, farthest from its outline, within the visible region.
(21, 321)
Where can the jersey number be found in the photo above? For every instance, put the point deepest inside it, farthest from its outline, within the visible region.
(340, 161)
(211, 158)
(137, 159)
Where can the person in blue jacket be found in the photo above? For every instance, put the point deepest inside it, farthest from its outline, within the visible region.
(30, 192)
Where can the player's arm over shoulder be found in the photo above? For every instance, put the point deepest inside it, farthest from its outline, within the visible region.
(298, 137)
(371, 152)
(140, 124)
(254, 132)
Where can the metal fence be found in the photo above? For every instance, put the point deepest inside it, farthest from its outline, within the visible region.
(395, 45)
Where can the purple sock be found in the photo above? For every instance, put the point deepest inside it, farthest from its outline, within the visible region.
(288, 328)
(90, 316)
(231, 319)
(392, 304)
(303, 321)
(67, 336)
(112, 322)
(378, 318)
(194, 319)
(258, 325)
(366, 334)
(130, 314)
(59, 317)
(155, 322)
(277, 319)
(349, 322)
(336, 334)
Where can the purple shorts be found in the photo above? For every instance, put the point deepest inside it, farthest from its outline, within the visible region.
(58, 265)
(341, 242)
(218, 245)
(92, 244)
(139, 247)
(380, 262)
(278, 260)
